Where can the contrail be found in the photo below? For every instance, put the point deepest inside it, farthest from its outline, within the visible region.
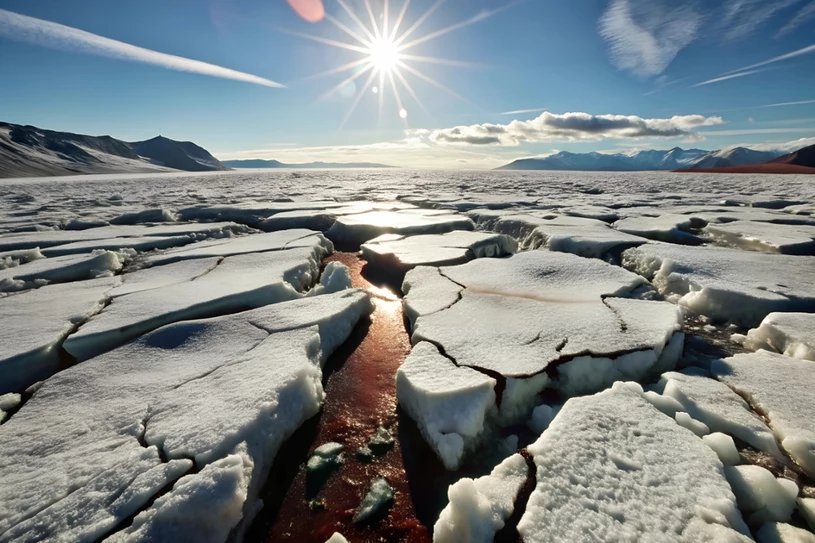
(56, 36)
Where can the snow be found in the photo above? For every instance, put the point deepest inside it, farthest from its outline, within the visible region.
(760, 495)
(336, 538)
(59, 270)
(668, 227)
(10, 259)
(588, 241)
(611, 464)
(378, 498)
(138, 243)
(202, 507)
(448, 249)
(8, 402)
(33, 325)
(792, 334)
(765, 237)
(727, 284)
(236, 283)
(479, 508)
(722, 410)
(724, 446)
(354, 230)
(781, 389)
(450, 404)
(779, 532)
(224, 392)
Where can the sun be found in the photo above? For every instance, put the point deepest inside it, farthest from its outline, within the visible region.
(384, 55)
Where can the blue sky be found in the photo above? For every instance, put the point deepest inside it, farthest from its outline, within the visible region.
(590, 75)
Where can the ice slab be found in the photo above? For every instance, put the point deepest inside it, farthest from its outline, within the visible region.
(479, 508)
(722, 410)
(355, 230)
(765, 237)
(10, 259)
(792, 334)
(51, 238)
(61, 269)
(611, 464)
(760, 495)
(727, 284)
(450, 404)
(260, 243)
(783, 390)
(429, 292)
(806, 506)
(234, 284)
(224, 392)
(448, 249)
(594, 241)
(517, 316)
(669, 227)
(33, 325)
(137, 243)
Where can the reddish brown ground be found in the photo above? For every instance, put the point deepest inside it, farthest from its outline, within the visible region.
(360, 396)
(769, 167)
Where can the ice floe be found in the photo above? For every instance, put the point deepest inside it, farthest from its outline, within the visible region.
(105, 436)
(722, 410)
(235, 283)
(727, 284)
(669, 227)
(60, 269)
(479, 508)
(760, 495)
(450, 404)
(780, 532)
(354, 230)
(765, 237)
(611, 464)
(448, 249)
(792, 334)
(33, 325)
(783, 390)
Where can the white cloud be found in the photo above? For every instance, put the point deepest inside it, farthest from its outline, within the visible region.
(56, 36)
(646, 35)
(571, 127)
(786, 146)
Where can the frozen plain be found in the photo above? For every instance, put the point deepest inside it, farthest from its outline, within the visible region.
(582, 349)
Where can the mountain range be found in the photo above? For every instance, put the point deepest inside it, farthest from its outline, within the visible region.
(32, 151)
(672, 159)
(260, 163)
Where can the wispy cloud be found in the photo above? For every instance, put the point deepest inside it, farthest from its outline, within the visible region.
(569, 127)
(805, 15)
(743, 17)
(645, 36)
(726, 78)
(797, 53)
(522, 111)
(56, 36)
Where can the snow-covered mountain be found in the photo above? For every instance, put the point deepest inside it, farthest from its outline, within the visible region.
(31, 151)
(672, 159)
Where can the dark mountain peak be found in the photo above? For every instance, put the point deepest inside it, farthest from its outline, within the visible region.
(801, 157)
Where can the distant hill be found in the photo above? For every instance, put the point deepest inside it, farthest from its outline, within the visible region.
(30, 151)
(260, 163)
(801, 161)
(672, 159)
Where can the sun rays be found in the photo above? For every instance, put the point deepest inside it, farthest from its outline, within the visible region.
(385, 54)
